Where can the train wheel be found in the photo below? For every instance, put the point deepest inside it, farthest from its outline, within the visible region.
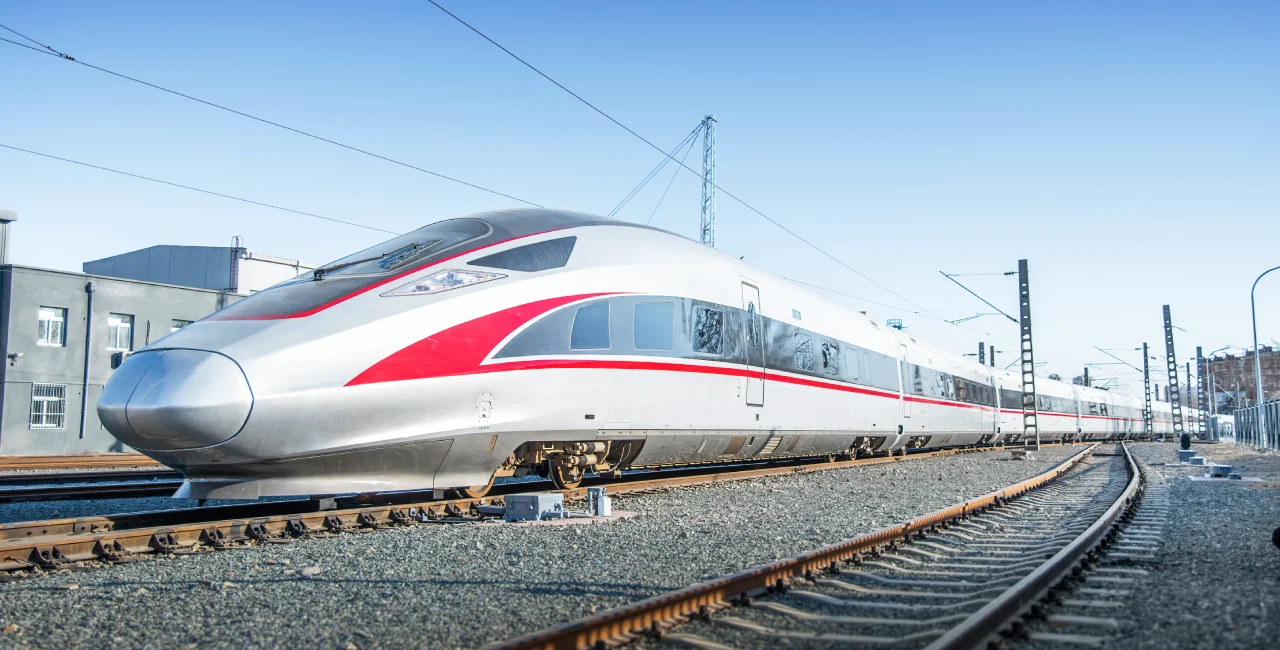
(473, 492)
(565, 477)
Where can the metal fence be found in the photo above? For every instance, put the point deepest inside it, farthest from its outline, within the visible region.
(1248, 431)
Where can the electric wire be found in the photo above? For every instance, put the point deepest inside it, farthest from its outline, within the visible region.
(654, 172)
(197, 189)
(54, 53)
(670, 182)
(655, 147)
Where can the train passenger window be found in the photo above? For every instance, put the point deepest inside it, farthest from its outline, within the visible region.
(961, 395)
(830, 358)
(1102, 408)
(804, 352)
(1093, 408)
(753, 326)
(590, 327)
(851, 363)
(652, 326)
(544, 255)
(708, 330)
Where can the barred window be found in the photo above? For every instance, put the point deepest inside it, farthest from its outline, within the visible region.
(53, 327)
(48, 406)
(119, 332)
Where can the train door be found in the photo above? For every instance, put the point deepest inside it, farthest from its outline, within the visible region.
(991, 415)
(755, 345)
(904, 376)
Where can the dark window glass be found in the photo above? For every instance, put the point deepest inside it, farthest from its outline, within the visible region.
(370, 267)
(804, 352)
(753, 326)
(653, 326)
(591, 327)
(544, 255)
(708, 330)
(830, 358)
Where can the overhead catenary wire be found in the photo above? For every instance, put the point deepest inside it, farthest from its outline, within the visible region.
(688, 139)
(197, 189)
(55, 53)
(672, 181)
(655, 147)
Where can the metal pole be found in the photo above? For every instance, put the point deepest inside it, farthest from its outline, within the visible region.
(1146, 389)
(1030, 406)
(88, 351)
(1172, 392)
(708, 226)
(1257, 358)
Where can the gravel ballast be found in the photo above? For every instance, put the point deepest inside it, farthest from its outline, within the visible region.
(1213, 583)
(468, 584)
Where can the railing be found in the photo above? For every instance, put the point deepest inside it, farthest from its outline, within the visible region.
(1249, 430)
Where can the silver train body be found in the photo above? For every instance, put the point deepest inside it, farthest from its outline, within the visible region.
(555, 343)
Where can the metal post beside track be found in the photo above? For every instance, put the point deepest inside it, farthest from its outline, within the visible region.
(1030, 410)
(1171, 361)
(1146, 388)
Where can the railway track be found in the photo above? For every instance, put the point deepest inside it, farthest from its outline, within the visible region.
(57, 486)
(51, 544)
(75, 461)
(962, 577)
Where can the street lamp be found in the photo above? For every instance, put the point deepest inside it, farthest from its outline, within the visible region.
(1257, 362)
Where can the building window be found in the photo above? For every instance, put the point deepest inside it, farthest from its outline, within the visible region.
(120, 332)
(708, 331)
(653, 327)
(178, 324)
(53, 327)
(590, 328)
(48, 406)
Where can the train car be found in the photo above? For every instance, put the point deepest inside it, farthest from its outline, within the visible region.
(548, 342)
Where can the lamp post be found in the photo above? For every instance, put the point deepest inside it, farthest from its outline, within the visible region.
(1257, 363)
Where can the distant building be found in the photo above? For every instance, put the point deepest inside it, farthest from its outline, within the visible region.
(1234, 383)
(231, 269)
(63, 333)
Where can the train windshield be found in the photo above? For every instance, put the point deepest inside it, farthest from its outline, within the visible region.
(371, 267)
(396, 254)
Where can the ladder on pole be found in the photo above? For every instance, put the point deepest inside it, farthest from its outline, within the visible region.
(1030, 411)
(1203, 427)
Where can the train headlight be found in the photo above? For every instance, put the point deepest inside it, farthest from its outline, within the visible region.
(442, 281)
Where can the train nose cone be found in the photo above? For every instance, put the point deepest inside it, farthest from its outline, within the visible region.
(175, 399)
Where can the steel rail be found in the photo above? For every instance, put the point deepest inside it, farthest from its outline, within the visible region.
(75, 461)
(987, 623)
(64, 478)
(624, 623)
(89, 490)
(49, 544)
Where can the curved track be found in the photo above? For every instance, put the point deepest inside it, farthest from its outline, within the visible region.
(957, 578)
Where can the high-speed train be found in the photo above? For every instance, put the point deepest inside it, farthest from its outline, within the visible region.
(556, 343)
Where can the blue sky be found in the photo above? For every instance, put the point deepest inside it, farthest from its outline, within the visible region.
(1130, 152)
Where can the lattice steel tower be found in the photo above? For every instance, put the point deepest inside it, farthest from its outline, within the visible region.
(708, 231)
(1172, 392)
(1146, 388)
(1030, 410)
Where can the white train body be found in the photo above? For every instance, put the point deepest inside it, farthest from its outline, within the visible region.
(517, 341)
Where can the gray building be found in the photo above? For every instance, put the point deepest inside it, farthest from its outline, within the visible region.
(233, 269)
(63, 333)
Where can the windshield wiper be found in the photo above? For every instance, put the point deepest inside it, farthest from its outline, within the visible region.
(319, 273)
